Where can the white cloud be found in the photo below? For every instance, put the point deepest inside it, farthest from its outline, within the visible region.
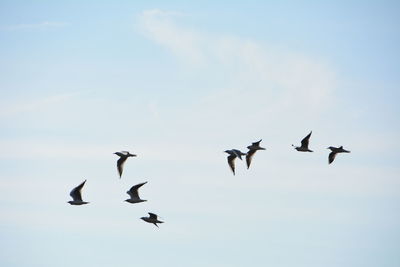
(252, 71)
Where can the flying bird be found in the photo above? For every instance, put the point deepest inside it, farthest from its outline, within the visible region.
(233, 154)
(123, 156)
(152, 219)
(252, 150)
(77, 196)
(304, 144)
(134, 195)
(334, 151)
(238, 153)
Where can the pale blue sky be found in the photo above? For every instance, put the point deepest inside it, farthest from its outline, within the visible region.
(178, 83)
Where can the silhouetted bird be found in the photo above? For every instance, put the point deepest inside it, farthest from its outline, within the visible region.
(233, 154)
(152, 219)
(304, 144)
(335, 150)
(123, 155)
(133, 193)
(76, 195)
(252, 150)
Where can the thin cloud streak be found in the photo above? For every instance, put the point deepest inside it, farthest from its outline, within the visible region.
(23, 106)
(34, 26)
(272, 80)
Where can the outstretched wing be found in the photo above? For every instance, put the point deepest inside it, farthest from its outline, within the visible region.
(249, 156)
(120, 165)
(256, 143)
(76, 192)
(306, 140)
(133, 192)
(238, 153)
(231, 162)
(332, 156)
(152, 215)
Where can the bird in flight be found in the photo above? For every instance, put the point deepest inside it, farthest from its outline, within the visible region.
(152, 219)
(123, 156)
(77, 196)
(334, 151)
(233, 154)
(304, 144)
(134, 195)
(252, 150)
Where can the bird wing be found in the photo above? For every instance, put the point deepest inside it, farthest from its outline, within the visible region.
(76, 192)
(332, 156)
(120, 165)
(133, 192)
(306, 140)
(231, 162)
(238, 153)
(152, 215)
(344, 150)
(256, 143)
(249, 157)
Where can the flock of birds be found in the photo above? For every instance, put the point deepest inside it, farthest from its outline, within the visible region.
(133, 192)
(233, 154)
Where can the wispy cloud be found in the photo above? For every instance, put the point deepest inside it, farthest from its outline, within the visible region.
(261, 73)
(34, 26)
(22, 106)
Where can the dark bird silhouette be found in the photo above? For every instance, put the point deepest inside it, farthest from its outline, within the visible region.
(152, 219)
(233, 154)
(77, 196)
(304, 144)
(134, 195)
(123, 156)
(252, 150)
(334, 152)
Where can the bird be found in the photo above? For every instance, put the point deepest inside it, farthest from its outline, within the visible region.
(334, 151)
(233, 154)
(123, 155)
(151, 219)
(304, 144)
(134, 195)
(238, 153)
(76, 195)
(252, 150)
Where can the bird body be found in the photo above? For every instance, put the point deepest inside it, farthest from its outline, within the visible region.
(334, 152)
(123, 156)
(252, 150)
(77, 196)
(134, 194)
(238, 153)
(233, 154)
(152, 219)
(304, 144)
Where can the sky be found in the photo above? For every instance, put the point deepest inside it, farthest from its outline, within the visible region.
(178, 83)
